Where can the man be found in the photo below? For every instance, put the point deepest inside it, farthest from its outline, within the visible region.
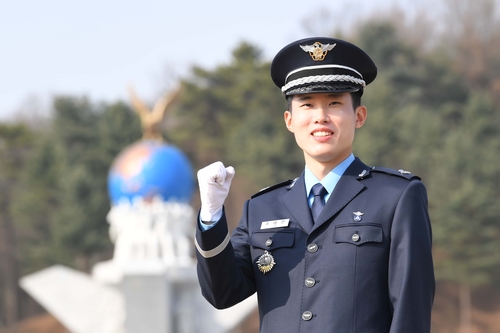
(352, 254)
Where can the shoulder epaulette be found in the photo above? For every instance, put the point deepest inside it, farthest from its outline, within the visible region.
(272, 187)
(400, 173)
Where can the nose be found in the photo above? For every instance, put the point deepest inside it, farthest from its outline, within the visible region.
(321, 116)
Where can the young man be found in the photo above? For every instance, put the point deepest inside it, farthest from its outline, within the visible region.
(344, 247)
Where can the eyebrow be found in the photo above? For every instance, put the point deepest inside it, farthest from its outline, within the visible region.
(301, 98)
(305, 97)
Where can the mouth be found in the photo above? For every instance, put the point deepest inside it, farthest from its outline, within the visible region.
(322, 133)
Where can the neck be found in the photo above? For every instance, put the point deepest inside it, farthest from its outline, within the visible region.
(321, 169)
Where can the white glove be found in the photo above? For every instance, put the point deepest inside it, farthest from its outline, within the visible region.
(214, 181)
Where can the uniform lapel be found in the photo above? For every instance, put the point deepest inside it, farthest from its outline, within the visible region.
(295, 201)
(347, 189)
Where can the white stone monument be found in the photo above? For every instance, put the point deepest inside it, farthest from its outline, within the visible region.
(154, 268)
(149, 286)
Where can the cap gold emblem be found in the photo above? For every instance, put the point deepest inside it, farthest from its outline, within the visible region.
(317, 51)
(265, 262)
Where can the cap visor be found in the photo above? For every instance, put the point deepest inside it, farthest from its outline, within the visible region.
(323, 88)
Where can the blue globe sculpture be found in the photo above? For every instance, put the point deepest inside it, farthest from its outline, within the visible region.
(150, 168)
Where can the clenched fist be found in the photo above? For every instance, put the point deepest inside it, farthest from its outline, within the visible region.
(214, 181)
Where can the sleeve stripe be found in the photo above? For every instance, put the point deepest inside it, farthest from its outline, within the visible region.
(215, 251)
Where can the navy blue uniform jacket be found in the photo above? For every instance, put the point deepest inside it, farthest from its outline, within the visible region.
(342, 275)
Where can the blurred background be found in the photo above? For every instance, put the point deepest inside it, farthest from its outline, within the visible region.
(65, 114)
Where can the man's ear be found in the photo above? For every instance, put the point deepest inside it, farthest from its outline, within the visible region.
(361, 114)
(288, 120)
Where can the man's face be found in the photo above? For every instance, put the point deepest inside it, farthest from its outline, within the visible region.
(324, 126)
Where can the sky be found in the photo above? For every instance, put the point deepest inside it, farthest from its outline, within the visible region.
(98, 48)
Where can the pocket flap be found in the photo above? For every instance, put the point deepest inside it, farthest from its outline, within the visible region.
(272, 240)
(358, 234)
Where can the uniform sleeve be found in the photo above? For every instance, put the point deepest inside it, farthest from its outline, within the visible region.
(224, 264)
(411, 271)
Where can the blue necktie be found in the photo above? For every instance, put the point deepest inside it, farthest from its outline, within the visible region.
(319, 193)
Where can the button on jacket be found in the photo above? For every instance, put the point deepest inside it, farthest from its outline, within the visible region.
(365, 266)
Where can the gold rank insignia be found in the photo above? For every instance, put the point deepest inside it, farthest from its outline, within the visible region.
(265, 262)
(317, 51)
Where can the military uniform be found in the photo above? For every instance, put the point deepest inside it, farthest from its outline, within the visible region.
(349, 273)
(364, 266)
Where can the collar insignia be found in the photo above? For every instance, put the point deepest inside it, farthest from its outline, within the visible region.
(358, 216)
(317, 51)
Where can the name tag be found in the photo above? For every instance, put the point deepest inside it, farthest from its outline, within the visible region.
(275, 224)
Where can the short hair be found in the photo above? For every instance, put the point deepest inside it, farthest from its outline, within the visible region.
(355, 97)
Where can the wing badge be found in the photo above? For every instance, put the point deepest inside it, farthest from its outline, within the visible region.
(358, 216)
(317, 51)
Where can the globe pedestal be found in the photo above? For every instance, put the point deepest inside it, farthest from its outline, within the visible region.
(160, 300)
(146, 292)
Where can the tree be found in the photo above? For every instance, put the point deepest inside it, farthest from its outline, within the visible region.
(63, 205)
(15, 143)
(465, 207)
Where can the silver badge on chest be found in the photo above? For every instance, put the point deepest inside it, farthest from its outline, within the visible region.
(265, 262)
(358, 216)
